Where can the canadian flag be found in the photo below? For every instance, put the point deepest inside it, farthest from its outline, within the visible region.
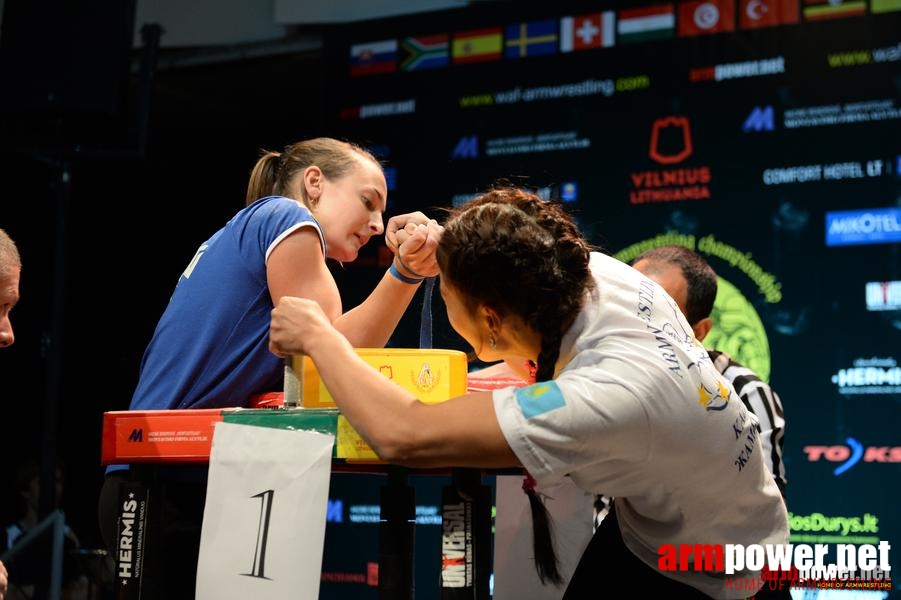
(586, 31)
(706, 16)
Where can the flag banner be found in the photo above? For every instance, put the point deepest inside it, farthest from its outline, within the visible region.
(373, 58)
(706, 16)
(477, 45)
(587, 31)
(425, 52)
(535, 38)
(820, 10)
(767, 13)
(646, 23)
(884, 6)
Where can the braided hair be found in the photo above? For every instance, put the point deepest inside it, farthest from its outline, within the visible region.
(523, 256)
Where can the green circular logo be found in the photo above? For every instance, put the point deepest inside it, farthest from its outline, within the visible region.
(738, 330)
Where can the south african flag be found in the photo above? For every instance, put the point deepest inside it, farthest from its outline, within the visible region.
(425, 52)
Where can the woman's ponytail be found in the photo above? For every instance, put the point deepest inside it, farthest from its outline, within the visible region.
(542, 539)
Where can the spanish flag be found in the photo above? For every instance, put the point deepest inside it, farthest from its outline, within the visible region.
(477, 45)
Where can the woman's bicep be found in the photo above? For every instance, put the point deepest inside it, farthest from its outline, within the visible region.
(296, 267)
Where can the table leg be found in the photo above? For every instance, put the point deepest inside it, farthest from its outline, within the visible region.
(466, 537)
(396, 537)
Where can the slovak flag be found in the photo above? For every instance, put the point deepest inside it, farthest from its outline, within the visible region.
(701, 17)
(373, 57)
(767, 13)
(587, 31)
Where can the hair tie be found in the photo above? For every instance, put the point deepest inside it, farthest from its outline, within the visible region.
(413, 273)
(533, 370)
(528, 483)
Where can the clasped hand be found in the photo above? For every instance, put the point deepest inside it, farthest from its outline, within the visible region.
(413, 238)
(299, 323)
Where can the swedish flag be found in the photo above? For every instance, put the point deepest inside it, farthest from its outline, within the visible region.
(535, 38)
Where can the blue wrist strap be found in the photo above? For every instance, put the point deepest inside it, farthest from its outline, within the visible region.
(397, 274)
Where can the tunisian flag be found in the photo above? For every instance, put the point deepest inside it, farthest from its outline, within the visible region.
(701, 17)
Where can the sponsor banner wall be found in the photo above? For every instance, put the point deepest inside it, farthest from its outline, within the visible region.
(762, 133)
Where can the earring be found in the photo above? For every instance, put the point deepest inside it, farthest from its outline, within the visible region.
(491, 341)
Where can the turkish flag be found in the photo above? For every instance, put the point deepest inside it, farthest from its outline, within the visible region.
(767, 13)
(706, 16)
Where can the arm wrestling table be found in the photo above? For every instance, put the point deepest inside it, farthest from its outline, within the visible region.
(148, 440)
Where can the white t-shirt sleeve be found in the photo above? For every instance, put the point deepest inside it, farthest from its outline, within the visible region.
(562, 426)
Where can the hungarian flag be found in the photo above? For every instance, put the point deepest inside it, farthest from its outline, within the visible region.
(820, 10)
(587, 31)
(477, 45)
(701, 17)
(425, 52)
(646, 23)
(767, 13)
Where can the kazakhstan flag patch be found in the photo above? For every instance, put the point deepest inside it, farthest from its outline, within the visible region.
(539, 398)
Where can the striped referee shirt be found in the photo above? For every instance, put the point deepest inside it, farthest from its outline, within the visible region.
(765, 403)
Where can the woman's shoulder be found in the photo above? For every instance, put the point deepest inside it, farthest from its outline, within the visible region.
(273, 203)
(273, 211)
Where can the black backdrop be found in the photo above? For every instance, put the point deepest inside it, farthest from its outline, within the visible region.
(787, 123)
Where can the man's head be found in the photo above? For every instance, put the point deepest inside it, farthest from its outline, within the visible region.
(10, 267)
(685, 276)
